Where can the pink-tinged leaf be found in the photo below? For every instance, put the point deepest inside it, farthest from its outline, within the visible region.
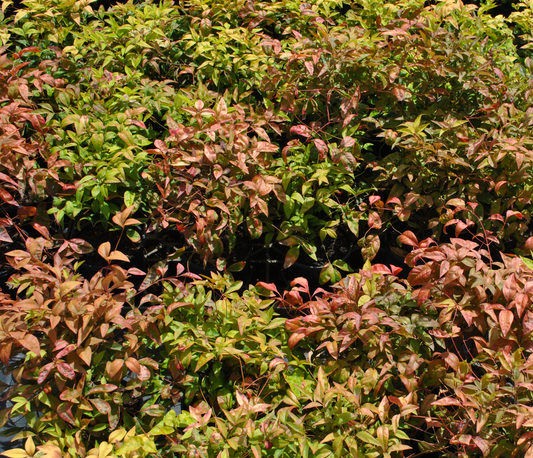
(301, 281)
(456, 202)
(65, 351)
(70, 394)
(154, 411)
(381, 269)
(121, 321)
(43, 373)
(509, 288)
(395, 270)
(138, 123)
(301, 130)
(321, 146)
(144, 374)
(177, 305)
(399, 92)
(106, 388)
(452, 360)
(291, 257)
(510, 213)
(423, 294)
(117, 256)
(497, 217)
(276, 362)
(482, 445)
(101, 405)
(347, 142)
(4, 236)
(104, 327)
(525, 437)
(521, 302)
(310, 67)
(408, 238)
(373, 199)
(31, 343)
(24, 92)
(135, 271)
(519, 160)
(499, 185)
(80, 246)
(104, 249)
(447, 402)
(295, 338)
(66, 370)
(114, 368)
(6, 197)
(133, 365)
(65, 412)
(506, 319)
(420, 275)
(268, 286)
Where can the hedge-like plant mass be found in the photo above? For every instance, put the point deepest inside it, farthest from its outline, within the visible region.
(266, 229)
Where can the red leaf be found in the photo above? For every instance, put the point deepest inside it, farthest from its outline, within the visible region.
(295, 338)
(43, 373)
(268, 286)
(510, 213)
(4, 236)
(101, 405)
(482, 445)
(506, 319)
(381, 269)
(420, 275)
(66, 370)
(347, 142)
(65, 413)
(6, 197)
(399, 92)
(497, 217)
(301, 130)
(65, 351)
(509, 288)
(321, 147)
(521, 302)
(408, 238)
(106, 388)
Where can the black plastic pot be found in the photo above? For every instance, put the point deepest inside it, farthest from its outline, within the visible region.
(312, 272)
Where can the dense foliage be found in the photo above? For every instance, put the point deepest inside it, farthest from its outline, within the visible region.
(279, 229)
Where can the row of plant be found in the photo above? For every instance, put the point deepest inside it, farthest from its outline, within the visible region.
(297, 123)
(151, 150)
(379, 367)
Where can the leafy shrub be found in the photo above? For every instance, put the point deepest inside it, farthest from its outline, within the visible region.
(287, 122)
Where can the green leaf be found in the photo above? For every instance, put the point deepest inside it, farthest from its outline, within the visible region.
(528, 262)
(131, 445)
(204, 359)
(133, 235)
(291, 256)
(368, 438)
